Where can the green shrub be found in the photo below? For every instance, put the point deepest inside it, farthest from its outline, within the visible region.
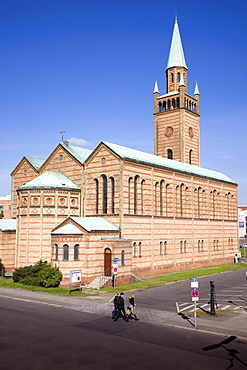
(20, 273)
(50, 277)
(40, 274)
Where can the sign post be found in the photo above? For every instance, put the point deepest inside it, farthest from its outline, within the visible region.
(195, 295)
(115, 270)
(75, 280)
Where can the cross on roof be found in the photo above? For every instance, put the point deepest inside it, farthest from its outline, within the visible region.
(62, 132)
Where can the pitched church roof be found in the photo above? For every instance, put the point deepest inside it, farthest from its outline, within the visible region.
(87, 223)
(176, 56)
(77, 152)
(151, 159)
(68, 229)
(51, 179)
(35, 162)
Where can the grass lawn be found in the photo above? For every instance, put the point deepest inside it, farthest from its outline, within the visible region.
(147, 283)
(177, 276)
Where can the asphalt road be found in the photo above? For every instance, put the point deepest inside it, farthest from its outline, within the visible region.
(229, 286)
(35, 336)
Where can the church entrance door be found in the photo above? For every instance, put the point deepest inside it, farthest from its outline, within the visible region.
(107, 262)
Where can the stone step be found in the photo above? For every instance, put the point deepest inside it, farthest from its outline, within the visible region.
(98, 282)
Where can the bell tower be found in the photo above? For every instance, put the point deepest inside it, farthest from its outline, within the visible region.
(177, 114)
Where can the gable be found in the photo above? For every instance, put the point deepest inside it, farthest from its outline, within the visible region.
(102, 160)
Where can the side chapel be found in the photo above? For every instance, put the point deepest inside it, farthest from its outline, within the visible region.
(157, 213)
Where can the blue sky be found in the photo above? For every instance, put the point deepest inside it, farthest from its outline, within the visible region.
(90, 67)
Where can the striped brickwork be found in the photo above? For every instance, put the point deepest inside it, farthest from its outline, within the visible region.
(39, 211)
(23, 173)
(175, 220)
(7, 249)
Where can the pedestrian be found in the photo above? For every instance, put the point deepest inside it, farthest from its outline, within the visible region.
(132, 306)
(120, 307)
(114, 312)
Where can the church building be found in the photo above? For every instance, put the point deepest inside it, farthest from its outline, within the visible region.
(156, 213)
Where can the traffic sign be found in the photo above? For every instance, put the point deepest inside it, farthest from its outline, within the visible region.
(194, 279)
(195, 293)
(195, 299)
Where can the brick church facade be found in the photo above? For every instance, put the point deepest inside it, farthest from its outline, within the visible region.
(80, 208)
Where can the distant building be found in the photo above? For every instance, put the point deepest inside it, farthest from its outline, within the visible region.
(83, 209)
(5, 206)
(242, 224)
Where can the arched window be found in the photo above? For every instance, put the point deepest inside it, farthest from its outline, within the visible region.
(178, 77)
(96, 196)
(161, 247)
(104, 194)
(76, 252)
(156, 198)
(129, 194)
(165, 249)
(178, 103)
(142, 196)
(134, 249)
(122, 258)
(168, 204)
(161, 196)
(65, 252)
(172, 77)
(169, 154)
(140, 249)
(173, 104)
(135, 194)
(160, 107)
(190, 156)
(56, 252)
(164, 105)
(112, 195)
(181, 200)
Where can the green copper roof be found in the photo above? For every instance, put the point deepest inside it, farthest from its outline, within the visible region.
(77, 152)
(69, 229)
(176, 56)
(95, 223)
(7, 224)
(35, 162)
(50, 179)
(156, 160)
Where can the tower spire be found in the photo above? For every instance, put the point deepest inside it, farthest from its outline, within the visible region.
(176, 56)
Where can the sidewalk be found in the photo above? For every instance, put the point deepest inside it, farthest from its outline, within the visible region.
(226, 323)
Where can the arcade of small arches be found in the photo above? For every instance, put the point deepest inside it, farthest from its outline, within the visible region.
(174, 103)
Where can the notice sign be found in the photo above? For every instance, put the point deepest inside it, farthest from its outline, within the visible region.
(75, 276)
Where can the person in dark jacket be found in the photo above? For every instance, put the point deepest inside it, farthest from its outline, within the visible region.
(114, 312)
(120, 307)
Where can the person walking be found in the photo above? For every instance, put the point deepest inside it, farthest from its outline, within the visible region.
(132, 306)
(120, 307)
(114, 312)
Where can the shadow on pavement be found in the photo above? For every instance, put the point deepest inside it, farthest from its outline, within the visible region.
(230, 351)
